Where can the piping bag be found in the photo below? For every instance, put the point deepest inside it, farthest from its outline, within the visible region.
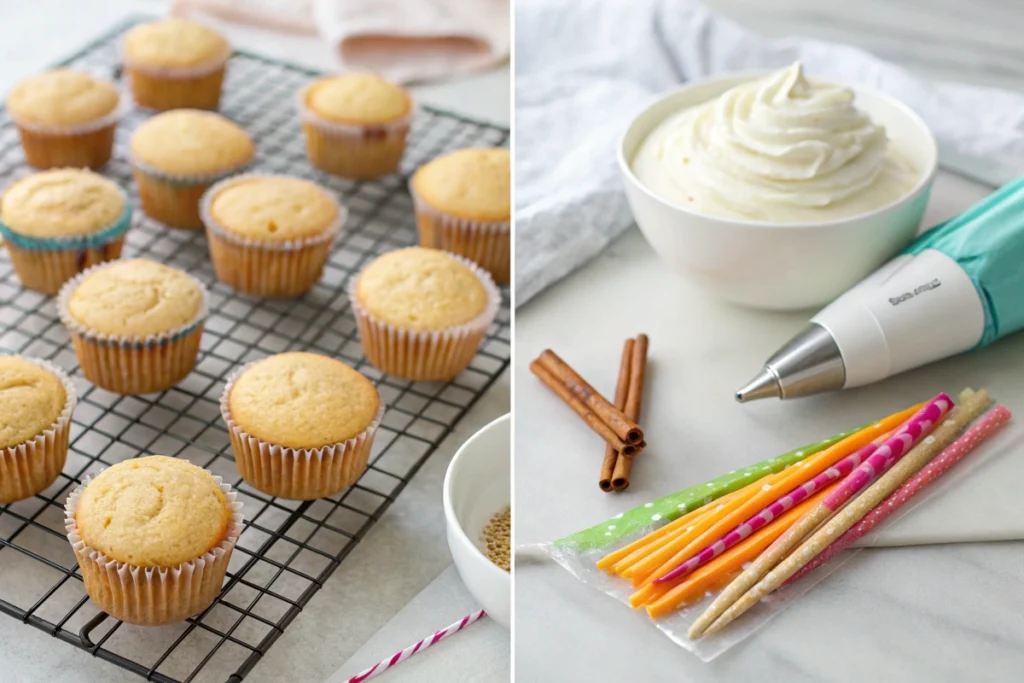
(957, 287)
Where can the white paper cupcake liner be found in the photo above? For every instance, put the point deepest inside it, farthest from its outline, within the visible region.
(267, 267)
(133, 364)
(29, 467)
(353, 150)
(174, 198)
(297, 473)
(486, 243)
(436, 355)
(152, 596)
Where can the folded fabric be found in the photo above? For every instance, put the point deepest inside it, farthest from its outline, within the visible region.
(403, 40)
(584, 68)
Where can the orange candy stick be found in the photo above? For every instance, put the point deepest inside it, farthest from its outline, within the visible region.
(773, 486)
(717, 573)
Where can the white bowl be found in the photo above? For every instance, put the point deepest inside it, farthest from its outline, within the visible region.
(773, 265)
(477, 486)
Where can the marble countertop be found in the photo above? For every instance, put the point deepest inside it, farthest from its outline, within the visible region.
(359, 599)
(924, 613)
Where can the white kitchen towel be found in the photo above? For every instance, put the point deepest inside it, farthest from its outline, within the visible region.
(585, 67)
(403, 40)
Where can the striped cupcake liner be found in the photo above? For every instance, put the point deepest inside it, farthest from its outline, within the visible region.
(44, 264)
(173, 198)
(133, 364)
(350, 150)
(153, 596)
(30, 467)
(297, 473)
(267, 267)
(85, 145)
(425, 356)
(486, 243)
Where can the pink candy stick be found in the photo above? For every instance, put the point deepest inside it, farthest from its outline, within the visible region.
(770, 512)
(988, 425)
(399, 657)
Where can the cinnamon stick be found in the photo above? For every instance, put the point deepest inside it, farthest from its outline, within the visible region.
(634, 399)
(621, 394)
(627, 430)
(581, 409)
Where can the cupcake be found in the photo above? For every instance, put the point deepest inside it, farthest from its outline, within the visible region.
(270, 235)
(175, 64)
(178, 155)
(422, 313)
(135, 324)
(301, 424)
(462, 205)
(65, 118)
(58, 223)
(355, 124)
(153, 537)
(36, 402)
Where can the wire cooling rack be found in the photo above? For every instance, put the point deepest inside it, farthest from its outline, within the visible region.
(288, 548)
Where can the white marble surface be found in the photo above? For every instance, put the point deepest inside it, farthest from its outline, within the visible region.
(377, 581)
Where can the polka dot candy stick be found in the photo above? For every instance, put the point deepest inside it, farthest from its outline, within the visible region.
(769, 513)
(912, 485)
(744, 592)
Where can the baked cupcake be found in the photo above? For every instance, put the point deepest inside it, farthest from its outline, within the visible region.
(153, 537)
(65, 118)
(463, 204)
(36, 402)
(301, 424)
(58, 223)
(176, 156)
(270, 235)
(175, 64)
(355, 124)
(422, 313)
(135, 324)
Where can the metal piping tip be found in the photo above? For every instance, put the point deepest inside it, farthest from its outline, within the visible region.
(764, 385)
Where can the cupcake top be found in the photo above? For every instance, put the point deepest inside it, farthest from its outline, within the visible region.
(273, 208)
(174, 43)
(302, 400)
(31, 400)
(421, 289)
(359, 98)
(135, 298)
(62, 98)
(61, 203)
(191, 142)
(469, 183)
(153, 512)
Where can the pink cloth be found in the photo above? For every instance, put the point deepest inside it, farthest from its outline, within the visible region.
(402, 40)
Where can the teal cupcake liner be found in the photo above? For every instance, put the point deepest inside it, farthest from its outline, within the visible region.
(93, 240)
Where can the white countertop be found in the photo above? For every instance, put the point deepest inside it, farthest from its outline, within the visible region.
(373, 586)
(955, 611)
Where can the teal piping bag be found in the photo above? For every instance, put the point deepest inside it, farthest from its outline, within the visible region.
(957, 287)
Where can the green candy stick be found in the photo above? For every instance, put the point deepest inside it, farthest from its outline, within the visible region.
(664, 510)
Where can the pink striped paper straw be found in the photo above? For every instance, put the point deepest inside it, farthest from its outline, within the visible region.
(399, 657)
(985, 428)
(770, 512)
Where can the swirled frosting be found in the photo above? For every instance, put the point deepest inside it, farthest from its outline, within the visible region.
(779, 149)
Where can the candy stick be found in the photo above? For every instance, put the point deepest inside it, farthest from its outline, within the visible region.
(738, 596)
(932, 471)
(666, 559)
(770, 512)
(670, 507)
(385, 664)
(716, 574)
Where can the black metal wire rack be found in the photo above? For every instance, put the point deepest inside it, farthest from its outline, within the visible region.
(288, 548)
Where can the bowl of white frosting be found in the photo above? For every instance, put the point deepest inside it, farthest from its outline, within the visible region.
(777, 190)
